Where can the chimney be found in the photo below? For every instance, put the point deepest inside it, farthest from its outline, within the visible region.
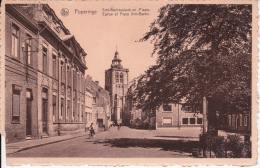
(97, 82)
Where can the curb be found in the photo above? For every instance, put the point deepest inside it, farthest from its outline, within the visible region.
(38, 145)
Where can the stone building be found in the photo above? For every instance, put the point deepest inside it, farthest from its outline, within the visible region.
(174, 115)
(101, 106)
(116, 83)
(50, 95)
(89, 116)
(21, 95)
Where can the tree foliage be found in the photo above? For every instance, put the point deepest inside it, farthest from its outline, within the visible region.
(203, 50)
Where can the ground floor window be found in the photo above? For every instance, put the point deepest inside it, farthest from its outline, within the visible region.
(233, 120)
(229, 120)
(192, 121)
(199, 120)
(185, 121)
(54, 107)
(16, 103)
(245, 120)
(167, 121)
(240, 120)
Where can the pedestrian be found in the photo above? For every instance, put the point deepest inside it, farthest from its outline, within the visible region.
(118, 127)
(150, 127)
(92, 131)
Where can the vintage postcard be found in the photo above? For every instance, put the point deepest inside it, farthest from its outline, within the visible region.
(129, 82)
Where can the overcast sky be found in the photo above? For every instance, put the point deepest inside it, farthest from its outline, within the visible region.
(99, 35)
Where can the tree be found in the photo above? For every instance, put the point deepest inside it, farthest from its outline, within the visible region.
(203, 50)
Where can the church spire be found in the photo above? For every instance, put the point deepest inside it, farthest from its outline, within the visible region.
(116, 62)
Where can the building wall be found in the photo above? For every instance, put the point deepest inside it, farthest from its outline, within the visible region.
(19, 76)
(236, 123)
(119, 88)
(101, 105)
(177, 117)
(42, 86)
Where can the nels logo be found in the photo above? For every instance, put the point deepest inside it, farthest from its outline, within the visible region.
(64, 12)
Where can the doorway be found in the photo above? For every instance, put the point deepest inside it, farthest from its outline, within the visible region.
(44, 116)
(28, 117)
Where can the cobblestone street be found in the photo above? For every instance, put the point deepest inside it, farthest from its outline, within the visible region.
(115, 143)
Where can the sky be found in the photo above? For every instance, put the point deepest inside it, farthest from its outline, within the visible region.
(100, 35)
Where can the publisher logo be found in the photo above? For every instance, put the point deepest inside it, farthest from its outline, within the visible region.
(64, 12)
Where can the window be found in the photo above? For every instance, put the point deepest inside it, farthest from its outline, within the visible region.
(68, 108)
(245, 120)
(54, 106)
(74, 107)
(233, 120)
(62, 106)
(167, 121)
(229, 120)
(94, 100)
(167, 108)
(28, 48)
(74, 79)
(117, 77)
(16, 103)
(15, 41)
(240, 120)
(54, 65)
(199, 120)
(68, 75)
(192, 121)
(185, 121)
(121, 78)
(44, 58)
(62, 74)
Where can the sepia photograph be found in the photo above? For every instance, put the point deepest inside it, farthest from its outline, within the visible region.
(105, 81)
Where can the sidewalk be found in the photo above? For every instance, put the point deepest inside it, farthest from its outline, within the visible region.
(20, 146)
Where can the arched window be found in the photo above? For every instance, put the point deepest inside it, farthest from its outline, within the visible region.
(121, 77)
(117, 76)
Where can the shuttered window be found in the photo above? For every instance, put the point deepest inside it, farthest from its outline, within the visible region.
(167, 121)
(16, 106)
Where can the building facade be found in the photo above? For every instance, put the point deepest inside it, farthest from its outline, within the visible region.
(116, 83)
(21, 117)
(50, 97)
(174, 115)
(89, 117)
(101, 106)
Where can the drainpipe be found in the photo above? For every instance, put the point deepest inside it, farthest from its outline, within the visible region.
(179, 118)
(59, 133)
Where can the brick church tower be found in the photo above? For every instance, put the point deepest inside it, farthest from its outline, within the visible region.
(116, 83)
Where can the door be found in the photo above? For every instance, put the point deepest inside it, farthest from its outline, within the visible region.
(100, 123)
(44, 116)
(28, 117)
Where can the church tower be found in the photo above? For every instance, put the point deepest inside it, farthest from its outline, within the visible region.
(116, 83)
